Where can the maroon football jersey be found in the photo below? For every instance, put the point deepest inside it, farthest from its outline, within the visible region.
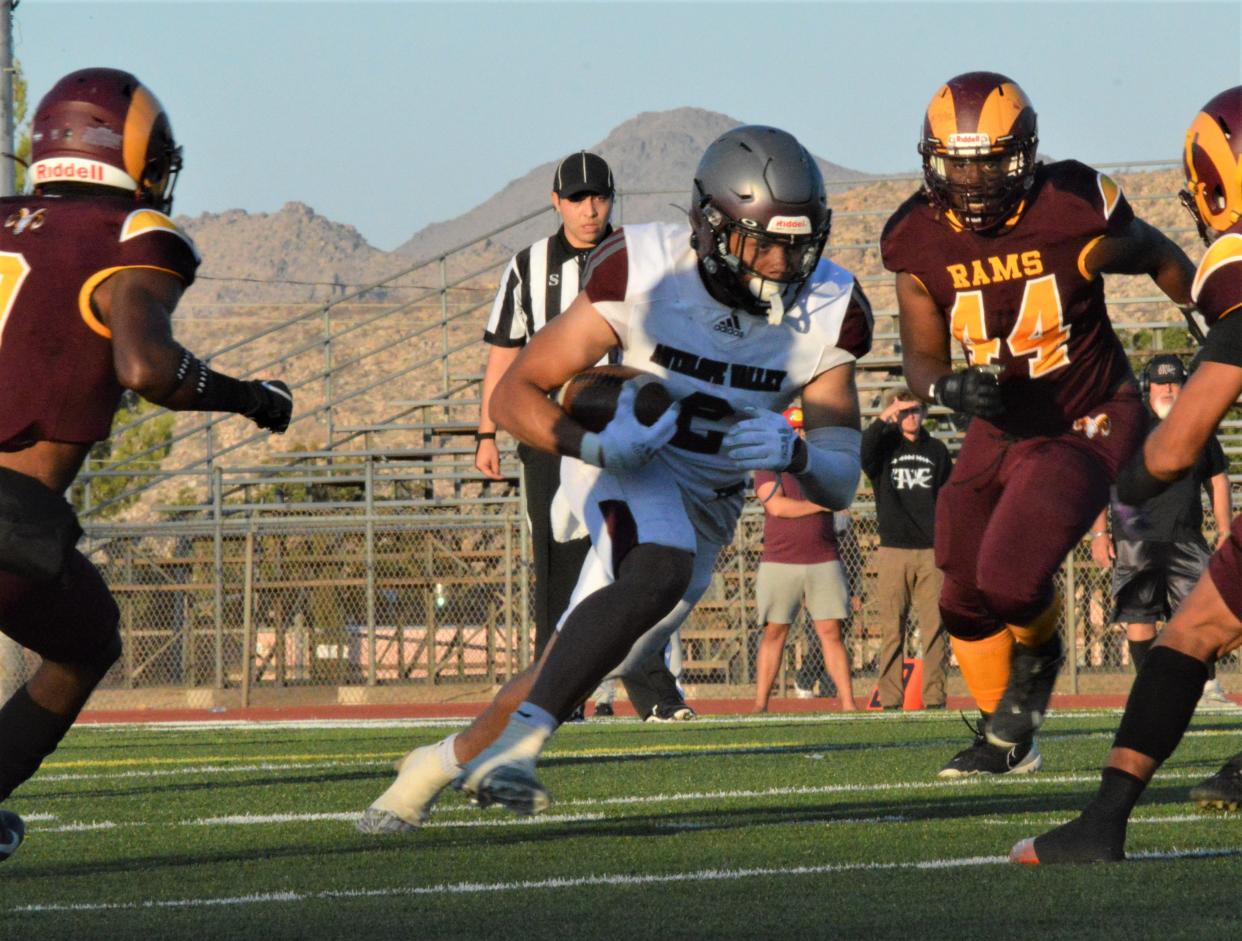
(1020, 298)
(57, 381)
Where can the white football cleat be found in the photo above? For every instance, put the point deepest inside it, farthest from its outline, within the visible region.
(504, 772)
(407, 803)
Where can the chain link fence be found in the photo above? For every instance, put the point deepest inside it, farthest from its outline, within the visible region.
(435, 606)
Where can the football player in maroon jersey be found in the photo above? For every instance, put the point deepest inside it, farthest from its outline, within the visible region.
(1209, 623)
(91, 268)
(1005, 254)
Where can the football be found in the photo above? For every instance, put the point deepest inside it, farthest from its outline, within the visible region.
(590, 397)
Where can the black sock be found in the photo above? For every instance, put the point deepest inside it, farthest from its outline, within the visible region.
(600, 631)
(1161, 704)
(1098, 834)
(1119, 792)
(28, 734)
(1138, 651)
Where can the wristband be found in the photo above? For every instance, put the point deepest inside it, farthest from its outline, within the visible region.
(485, 436)
(589, 451)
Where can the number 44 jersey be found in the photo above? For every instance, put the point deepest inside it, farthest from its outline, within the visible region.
(57, 379)
(1021, 298)
(716, 360)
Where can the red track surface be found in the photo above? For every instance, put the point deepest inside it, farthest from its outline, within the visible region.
(706, 707)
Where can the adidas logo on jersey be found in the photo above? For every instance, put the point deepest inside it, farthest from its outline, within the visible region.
(730, 326)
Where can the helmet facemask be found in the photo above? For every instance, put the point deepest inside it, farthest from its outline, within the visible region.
(762, 270)
(1210, 159)
(981, 184)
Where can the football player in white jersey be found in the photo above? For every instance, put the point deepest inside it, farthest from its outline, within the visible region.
(740, 316)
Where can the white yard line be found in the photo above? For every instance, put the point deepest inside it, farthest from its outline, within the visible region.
(619, 880)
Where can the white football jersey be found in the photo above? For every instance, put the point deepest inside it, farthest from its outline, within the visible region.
(715, 360)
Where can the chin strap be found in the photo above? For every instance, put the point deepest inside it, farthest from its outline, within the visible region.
(776, 310)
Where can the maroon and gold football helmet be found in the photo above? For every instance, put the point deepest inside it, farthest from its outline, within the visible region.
(103, 127)
(978, 148)
(1213, 164)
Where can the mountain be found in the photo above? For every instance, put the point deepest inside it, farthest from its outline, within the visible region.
(297, 256)
(655, 151)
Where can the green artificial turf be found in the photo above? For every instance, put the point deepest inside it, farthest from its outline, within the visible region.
(794, 826)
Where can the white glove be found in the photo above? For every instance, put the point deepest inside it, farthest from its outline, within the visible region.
(626, 444)
(763, 441)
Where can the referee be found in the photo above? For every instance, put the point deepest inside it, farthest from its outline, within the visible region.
(539, 283)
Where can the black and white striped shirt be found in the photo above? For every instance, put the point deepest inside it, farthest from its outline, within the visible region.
(540, 282)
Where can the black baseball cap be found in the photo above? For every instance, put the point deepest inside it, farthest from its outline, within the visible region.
(583, 172)
(1166, 368)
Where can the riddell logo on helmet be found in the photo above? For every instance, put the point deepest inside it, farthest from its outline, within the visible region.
(68, 170)
(969, 142)
(793, 225)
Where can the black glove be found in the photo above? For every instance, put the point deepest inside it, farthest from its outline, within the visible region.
(973, 391)
(271, 404)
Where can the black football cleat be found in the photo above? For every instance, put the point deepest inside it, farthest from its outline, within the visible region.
(982, 757)
(1223, 790)
(1032, 676)
(579, 713)
(603, 710)
(671, 712)
(12, 832)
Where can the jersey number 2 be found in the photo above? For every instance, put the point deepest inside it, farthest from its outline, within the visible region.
(13, 271)
(1039, 329)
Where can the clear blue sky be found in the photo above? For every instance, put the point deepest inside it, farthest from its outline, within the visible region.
(388, 116)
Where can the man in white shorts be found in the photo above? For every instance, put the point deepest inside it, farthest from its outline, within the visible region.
(799, 562)
(738, 315)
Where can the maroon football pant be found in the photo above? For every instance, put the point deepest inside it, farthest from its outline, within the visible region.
(68, 621)
(1014, 508)
(1225, 569)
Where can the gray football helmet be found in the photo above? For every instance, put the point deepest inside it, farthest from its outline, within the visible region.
(759, 219)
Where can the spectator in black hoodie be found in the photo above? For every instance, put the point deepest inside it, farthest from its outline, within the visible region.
(907, 467)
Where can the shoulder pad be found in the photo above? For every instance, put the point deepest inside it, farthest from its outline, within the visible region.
(144, 221)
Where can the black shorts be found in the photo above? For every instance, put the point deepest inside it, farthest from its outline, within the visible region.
(1150, 579)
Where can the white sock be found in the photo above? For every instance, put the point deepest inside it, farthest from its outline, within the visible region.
(448, 757)
(535, 716)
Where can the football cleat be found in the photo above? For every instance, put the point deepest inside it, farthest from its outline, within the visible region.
(982, 757)
(675, 712)
(407, 803)
(1032, 676)
(1213, 699)
(12, 832)
(512, 786)
(504, 772)
(579, 713)
(1085, 839)
(1223, 790)
(603, 710)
